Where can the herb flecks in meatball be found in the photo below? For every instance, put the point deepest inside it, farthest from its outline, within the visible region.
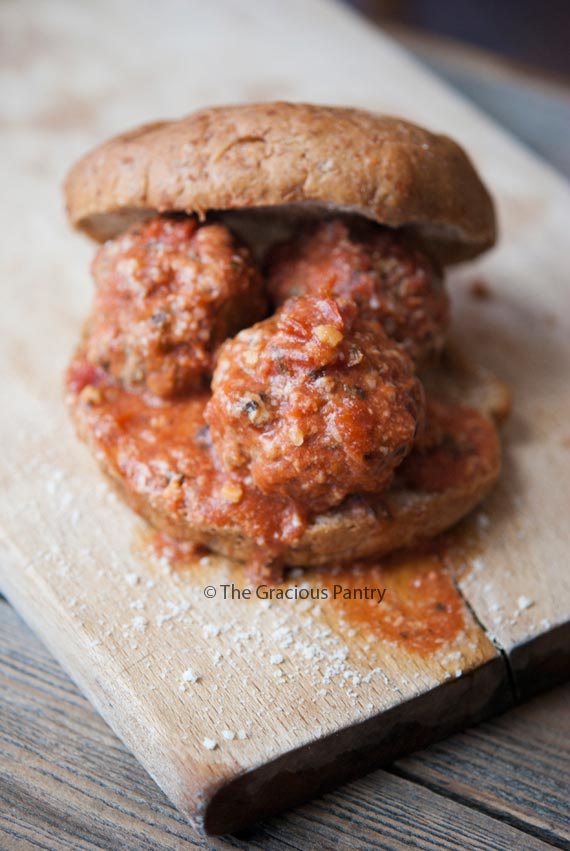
(168, 293)
(315, 402)
(390, 279)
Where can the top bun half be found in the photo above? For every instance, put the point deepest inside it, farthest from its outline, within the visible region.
(300, 157)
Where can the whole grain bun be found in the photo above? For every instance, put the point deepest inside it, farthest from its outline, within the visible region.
(405, 516)
(304, 157)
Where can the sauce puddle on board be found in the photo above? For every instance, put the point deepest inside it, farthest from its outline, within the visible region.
(408, 598)
(420, 606)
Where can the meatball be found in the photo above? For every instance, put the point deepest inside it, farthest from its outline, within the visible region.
(314, 403)
(390, 279)
(168, 292)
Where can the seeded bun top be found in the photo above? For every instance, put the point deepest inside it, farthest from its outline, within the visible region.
(295, 157)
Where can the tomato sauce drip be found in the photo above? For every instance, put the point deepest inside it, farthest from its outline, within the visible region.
(421, 608)
(159, 453)
(172, 551)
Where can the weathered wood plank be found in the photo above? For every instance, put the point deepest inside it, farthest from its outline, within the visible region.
(67, 784)
(380, 813)
(515, 766)
(338, 708)
(517, 579)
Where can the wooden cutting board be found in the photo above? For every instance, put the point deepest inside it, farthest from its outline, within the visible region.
(238, 707)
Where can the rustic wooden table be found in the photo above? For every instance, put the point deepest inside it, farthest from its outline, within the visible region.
(66, 782)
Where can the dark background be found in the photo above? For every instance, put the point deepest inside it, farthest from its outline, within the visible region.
(535, 33)
(510, 57)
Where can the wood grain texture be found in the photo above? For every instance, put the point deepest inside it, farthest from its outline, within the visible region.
(127, 627)
(67, 783)
(341, 704)
(519, 584)
(515, 767)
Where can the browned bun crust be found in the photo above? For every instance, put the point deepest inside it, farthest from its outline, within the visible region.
(273, 154)
(404, 518)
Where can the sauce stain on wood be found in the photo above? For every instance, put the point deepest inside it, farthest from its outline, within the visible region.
(409, 597)
(420, 609)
